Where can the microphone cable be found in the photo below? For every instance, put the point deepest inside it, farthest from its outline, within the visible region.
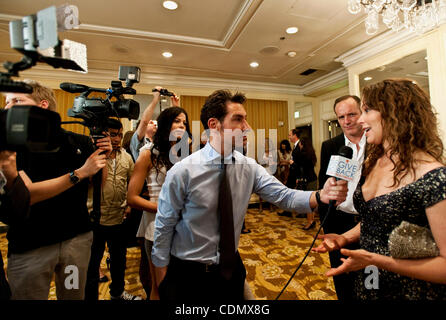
(330, 208)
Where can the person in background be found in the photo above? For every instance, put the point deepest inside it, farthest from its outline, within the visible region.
(145, 130)
(147, 127)
(14, 204)
(151, 167)
(405, 181)
(57, 233)
(308, 179)
(284, 156)
(268, 160)
(295, 166)
(126, 142)
(345, 217)
(110, 229)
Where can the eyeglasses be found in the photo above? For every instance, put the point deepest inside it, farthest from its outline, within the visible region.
(114, 135)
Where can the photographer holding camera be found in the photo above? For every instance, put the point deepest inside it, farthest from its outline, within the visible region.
(56, 235)
(14, 200)
(146, 127)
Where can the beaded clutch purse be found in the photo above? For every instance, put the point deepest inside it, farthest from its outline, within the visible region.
(410, 241)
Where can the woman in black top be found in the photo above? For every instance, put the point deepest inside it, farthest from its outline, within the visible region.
(307, 179)
(405, 180)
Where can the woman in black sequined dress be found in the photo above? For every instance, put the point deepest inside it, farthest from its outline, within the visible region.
(405, 180)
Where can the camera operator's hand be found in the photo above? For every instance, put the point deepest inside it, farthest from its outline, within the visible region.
(94, 163)
(8, 166)
(175, 101)
(157, 94)
(105, 144)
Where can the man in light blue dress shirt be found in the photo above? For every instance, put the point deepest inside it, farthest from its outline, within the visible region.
(187, 232)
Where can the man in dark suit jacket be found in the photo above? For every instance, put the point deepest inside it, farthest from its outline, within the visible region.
(295, 167)
(345, 217)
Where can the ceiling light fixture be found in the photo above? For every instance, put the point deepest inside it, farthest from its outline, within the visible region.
(254, 64)
(292, 30)
(170, 5)
(368, 78)
(415, 15)
(167, 54)
(291, 54)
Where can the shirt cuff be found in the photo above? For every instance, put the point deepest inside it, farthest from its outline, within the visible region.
(160, 262)
(301, 202)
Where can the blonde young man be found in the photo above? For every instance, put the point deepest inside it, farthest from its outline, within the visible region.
(55, 239)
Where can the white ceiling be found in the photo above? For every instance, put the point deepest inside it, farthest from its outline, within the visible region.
(413, 66)
(215, 39)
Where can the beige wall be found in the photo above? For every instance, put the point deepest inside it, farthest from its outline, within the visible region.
(434, 43)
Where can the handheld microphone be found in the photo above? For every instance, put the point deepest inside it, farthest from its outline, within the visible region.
(73, 87)
(342, 167)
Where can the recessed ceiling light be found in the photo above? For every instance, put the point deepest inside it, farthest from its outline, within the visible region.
(167, 54)
(291, 54)
(254, 64)
(292, 30)
(368, 78)
(171, 5)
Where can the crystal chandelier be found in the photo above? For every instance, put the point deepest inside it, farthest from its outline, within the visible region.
(416, 15)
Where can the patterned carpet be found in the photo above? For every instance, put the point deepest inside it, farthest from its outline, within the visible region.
(271, 252)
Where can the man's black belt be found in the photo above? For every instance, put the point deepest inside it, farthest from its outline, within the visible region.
(193, 265)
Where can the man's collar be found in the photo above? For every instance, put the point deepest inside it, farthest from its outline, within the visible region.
(362, 142)
(296, 143)
(212, 155)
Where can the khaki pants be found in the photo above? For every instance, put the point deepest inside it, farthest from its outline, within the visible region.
(30, 273)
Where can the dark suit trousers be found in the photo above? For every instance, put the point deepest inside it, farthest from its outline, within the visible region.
(340, 222)
(193, 281)
(291, 181)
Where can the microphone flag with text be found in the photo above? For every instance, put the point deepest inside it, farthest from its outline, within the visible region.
(342, 167)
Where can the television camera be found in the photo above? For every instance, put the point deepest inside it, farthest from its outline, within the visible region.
(96, 111)
(35, 36)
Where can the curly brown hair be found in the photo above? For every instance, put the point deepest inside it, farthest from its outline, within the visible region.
(409, 125)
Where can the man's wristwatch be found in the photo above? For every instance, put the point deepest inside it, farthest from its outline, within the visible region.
(318, 198)
(74, 178)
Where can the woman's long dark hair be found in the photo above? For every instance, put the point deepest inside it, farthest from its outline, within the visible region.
(287, 146)
(308, 149)
(161, 144)
(409, 124)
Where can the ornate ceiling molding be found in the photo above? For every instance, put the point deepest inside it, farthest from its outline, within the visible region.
(243, 16)
(374, 46)
(101, 76)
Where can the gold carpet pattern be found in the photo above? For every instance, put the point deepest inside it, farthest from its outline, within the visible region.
(271, 252)
(274, 249)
